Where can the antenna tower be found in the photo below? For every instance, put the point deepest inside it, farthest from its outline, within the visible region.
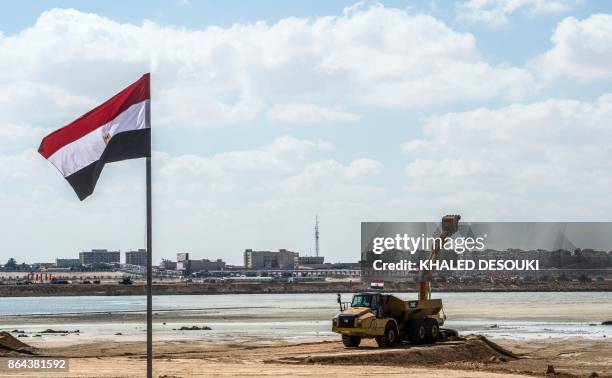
(317, 235)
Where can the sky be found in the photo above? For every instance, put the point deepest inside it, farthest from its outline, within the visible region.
(267, 113)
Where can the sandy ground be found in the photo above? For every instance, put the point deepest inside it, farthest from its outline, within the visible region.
(224, 358)
(265, 339)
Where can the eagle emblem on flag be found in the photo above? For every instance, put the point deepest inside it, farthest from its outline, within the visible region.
(106, 135)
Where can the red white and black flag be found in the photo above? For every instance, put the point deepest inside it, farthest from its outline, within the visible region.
(119, 129)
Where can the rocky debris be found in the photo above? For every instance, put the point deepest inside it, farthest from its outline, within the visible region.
(550, 370)
(49, 330)
(594, 375)
(192, 328)
(10, 346)
(607, 322)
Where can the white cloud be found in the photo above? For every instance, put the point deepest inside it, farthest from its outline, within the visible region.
(544, 158)
(363, 168)
(224, 202)
(496, 12)
(375, 56)
(582, 50)
(288, 167)
(309, 113)
(16, 136)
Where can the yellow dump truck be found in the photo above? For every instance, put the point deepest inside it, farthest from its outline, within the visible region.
(391, 320)
(388, 319)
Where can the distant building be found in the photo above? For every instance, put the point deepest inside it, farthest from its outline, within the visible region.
(96, 256)
(205, 264)
(67, 263)
(310, 260)
(287, 260)
(136, 257)
(42, 266)
(283, 259)
(167, 264)
(184, 263)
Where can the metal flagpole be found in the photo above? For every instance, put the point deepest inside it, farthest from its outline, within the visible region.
(149, 255)
(149, 276)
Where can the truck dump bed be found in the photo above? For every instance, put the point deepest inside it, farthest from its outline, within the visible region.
(400, 309)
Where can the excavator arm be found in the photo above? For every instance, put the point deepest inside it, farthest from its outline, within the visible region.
(450, 225)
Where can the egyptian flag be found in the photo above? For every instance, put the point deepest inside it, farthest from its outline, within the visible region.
(377, 284)
(117, 130)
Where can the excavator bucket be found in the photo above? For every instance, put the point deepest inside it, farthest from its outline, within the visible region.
(450, 223)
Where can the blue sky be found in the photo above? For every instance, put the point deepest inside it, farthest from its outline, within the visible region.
(265, 113)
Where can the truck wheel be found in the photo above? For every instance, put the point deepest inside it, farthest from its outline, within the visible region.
(416, 332)
(390, 338)
(351, 341)
(432, 330)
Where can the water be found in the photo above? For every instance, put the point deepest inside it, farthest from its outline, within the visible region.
(498, 315)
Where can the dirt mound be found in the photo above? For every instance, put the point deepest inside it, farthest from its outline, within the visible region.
(496, 347)
(468, 350)
(11, 346)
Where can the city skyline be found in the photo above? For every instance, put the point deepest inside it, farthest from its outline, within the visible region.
(262, 118)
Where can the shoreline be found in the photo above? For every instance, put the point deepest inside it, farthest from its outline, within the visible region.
(44, 290)
(289, 316)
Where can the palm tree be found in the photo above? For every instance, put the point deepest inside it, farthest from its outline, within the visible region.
(11, 264)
